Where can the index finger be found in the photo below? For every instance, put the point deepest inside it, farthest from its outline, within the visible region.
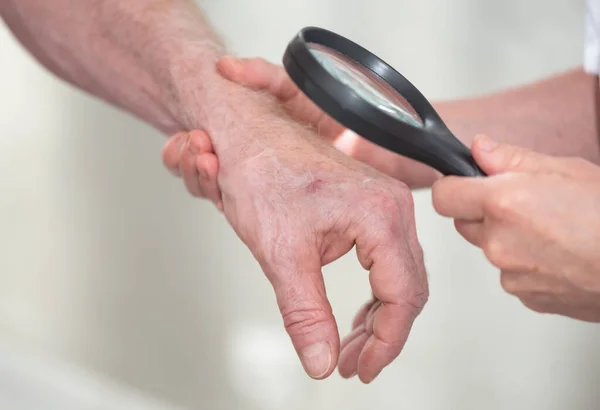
(460, 197)
(398, 280)
(258, 74)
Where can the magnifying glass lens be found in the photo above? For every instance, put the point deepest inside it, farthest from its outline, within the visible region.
(368, 85)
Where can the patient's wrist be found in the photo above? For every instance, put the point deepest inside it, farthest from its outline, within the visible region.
(239, 121)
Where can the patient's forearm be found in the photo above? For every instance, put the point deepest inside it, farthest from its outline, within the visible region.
(154, 58)
(556, 116)
(117, 50)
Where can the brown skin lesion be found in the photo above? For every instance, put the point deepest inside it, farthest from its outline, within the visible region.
(314, 186)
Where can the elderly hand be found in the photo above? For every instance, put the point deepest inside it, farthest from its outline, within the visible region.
(259, 74)
(300, 204)
(537, 218)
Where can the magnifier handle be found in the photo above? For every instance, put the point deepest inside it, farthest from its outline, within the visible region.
(465, 166)
(452, 157)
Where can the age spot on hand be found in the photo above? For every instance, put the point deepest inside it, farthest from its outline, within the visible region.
(314, 186)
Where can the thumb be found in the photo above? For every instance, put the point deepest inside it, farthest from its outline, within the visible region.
(495, 158)
(258, 74)
(307, 316)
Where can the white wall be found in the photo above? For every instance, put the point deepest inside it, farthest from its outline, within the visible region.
(106, 262)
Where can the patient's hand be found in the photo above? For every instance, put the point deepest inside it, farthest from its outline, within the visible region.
(301, 182)
(294, 180)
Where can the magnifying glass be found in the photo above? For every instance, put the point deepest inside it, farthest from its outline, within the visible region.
(369, 97)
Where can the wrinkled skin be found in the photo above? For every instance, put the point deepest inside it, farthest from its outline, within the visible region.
(296, 220)
(537, 218)
(199, 167)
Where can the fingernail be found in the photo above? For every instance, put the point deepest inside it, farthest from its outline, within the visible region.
(316, 359)
(235, 62)
(236, 66)
(486, 143)
(192, 147)
(181, 144)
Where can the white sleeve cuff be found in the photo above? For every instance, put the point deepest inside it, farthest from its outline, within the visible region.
(591, 56)
(590, 61)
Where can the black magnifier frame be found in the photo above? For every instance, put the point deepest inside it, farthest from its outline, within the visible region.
(432, 143)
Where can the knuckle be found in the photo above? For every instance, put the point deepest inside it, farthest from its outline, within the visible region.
(517, 158)
(418, 300)
(495, 251)
(304, 318)
(388, 206)
(402, 191)
(509, 283)
(410, 290)
(506, 202)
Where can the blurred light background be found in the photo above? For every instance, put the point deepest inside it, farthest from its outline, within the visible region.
(117, 290)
